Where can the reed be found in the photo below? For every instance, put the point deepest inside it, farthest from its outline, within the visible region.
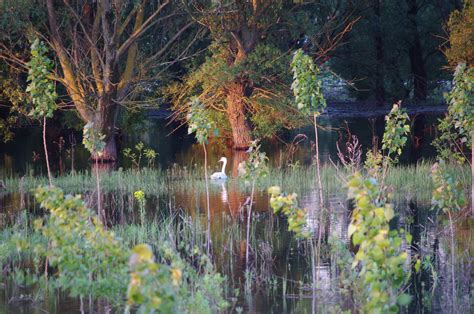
(408, 182)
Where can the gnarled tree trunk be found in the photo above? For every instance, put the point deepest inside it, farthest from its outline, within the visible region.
(109, 154)
(106, 121)
(241, 133)
(98, 51)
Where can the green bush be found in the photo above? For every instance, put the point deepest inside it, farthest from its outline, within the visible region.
(379, 261)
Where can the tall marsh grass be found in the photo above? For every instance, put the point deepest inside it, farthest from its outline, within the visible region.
(407, 182)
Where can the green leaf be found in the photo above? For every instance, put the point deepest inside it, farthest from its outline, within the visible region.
(403, 299)
(388, 213)
(417, 265)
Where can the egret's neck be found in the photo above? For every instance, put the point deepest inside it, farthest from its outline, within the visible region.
(224, 163)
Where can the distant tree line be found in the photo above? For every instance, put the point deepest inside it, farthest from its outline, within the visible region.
(396, 50)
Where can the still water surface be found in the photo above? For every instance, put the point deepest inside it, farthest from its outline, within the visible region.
(24, 155)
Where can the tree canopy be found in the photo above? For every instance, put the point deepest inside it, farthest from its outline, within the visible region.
(461, 36)
(112, 56)
(245, 78)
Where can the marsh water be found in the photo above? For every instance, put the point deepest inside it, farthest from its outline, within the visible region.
(280, 280)
(24, 155)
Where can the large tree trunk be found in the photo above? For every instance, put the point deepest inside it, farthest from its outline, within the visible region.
(237, 158)
(106, 120)
(109, 154)
(236, 113)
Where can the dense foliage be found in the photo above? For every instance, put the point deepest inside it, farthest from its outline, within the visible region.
(448, 195)
(461, 36)
(40, 84)
(200, 122)
(234, 55)
(265, 68)
(395, 135)
(288, 206)
(380, 256)
(306, 85)
(378, 162)
(90, 260)
(240, 70)
(245, 76)
(461, 102)
(87, 259)
(456, 128)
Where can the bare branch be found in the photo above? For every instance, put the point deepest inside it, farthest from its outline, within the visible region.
(166, 47)
(137, 33)
(74, 90)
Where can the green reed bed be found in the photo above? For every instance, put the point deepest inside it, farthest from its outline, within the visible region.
(408, 182)
(153, 181)
(149, 180)
(15, 239)
(181, 233)
(413, 182)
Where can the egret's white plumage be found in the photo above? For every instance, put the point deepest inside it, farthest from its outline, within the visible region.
(220, 175)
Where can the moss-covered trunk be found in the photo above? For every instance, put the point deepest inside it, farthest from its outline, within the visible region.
(106, 120)
(109, 153)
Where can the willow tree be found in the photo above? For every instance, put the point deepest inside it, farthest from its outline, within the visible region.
(109, 50)
(246, 78)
